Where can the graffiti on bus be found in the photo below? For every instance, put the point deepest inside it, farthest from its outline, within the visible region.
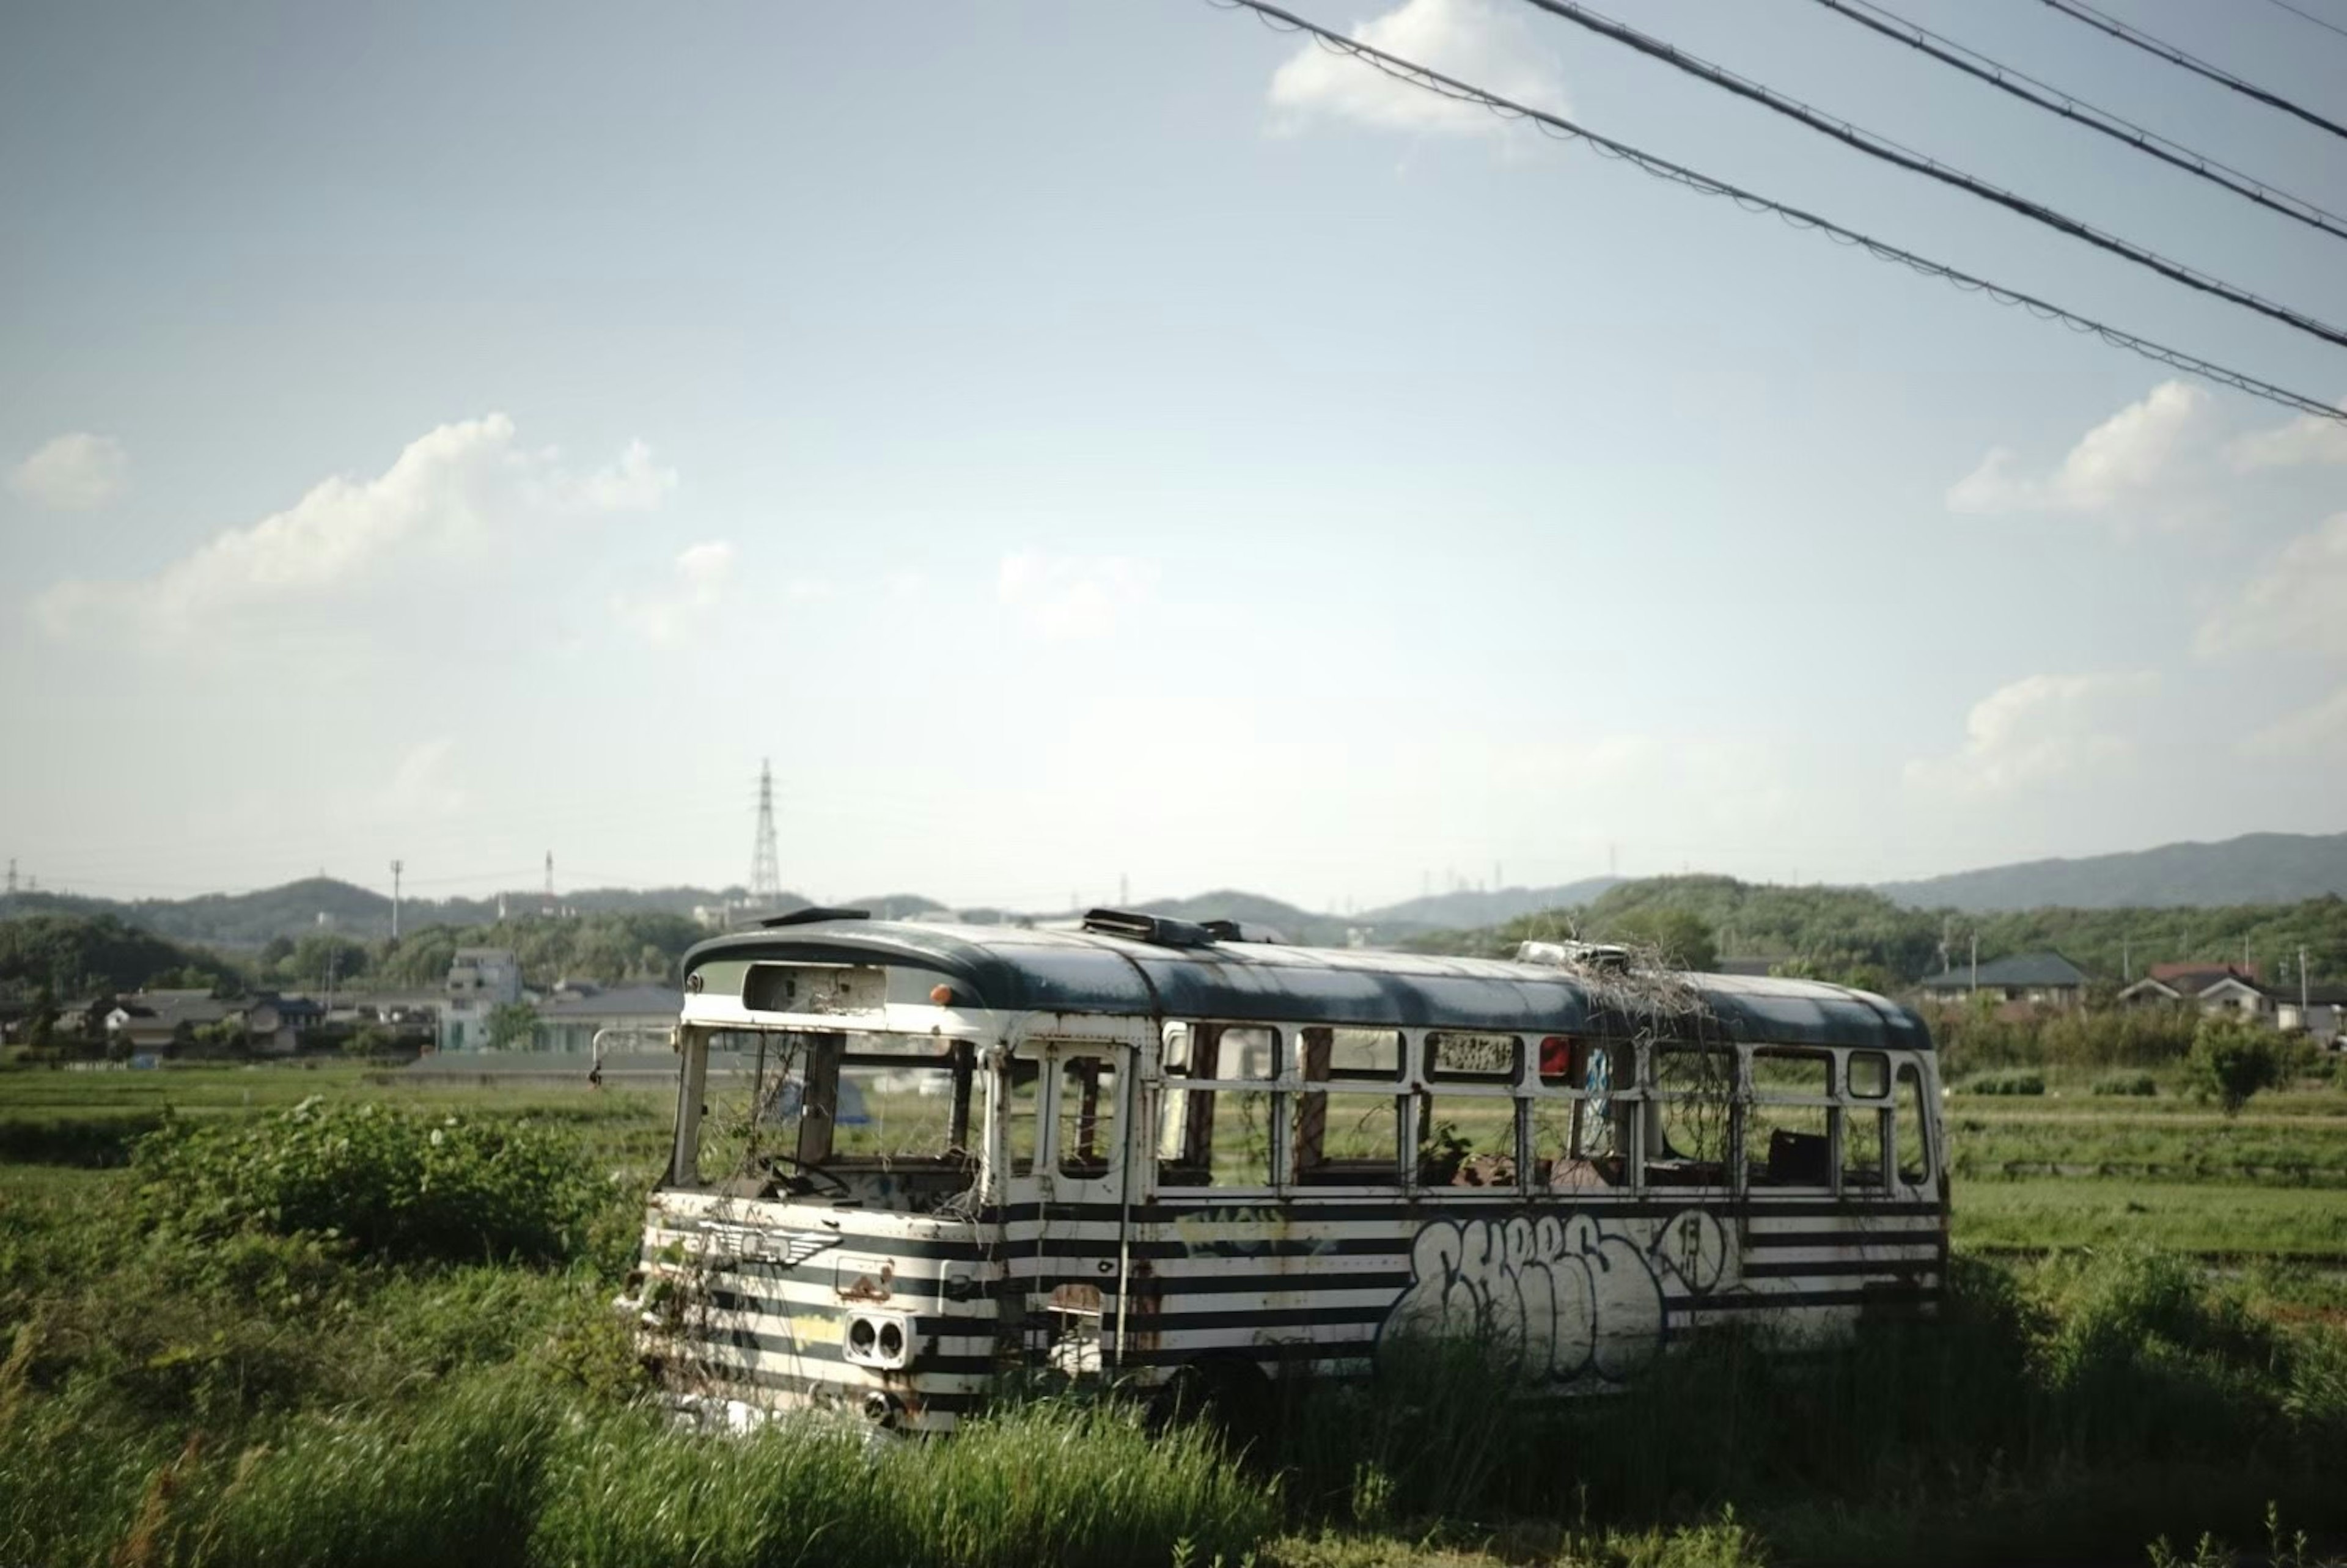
(1570, 1295)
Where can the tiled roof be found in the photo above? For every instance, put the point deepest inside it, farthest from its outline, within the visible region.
(2047, 969)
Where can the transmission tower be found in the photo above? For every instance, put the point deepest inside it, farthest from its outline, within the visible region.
(765, 866)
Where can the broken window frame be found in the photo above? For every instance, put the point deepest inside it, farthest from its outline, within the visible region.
(1324, 1092)
(1570, 1089)
(1198, 1098)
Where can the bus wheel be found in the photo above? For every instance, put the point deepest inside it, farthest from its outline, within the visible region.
(1231, 1394)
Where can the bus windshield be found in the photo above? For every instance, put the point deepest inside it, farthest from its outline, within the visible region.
(788, 1102)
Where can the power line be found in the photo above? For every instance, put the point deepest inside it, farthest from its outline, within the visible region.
(2053, 100)
(1888, 151)
(1751, 201)
(2078, 10)
(2311, 16)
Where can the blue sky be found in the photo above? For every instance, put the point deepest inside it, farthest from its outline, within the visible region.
(1084, 441)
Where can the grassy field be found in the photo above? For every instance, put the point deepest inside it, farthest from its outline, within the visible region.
(258, 1344)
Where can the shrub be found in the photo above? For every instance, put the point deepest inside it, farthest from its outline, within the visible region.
(2233, 1061)
(390, 1184)
(2140, 1085)
(2007, 1082)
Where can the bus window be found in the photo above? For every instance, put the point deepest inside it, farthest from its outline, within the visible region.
(1349, 1136)
(1355, 1053)
(1912, 1147)
(1466, 1140)
(1089, 1091)
(1023, 1084)
(1869, 1075)
(1688, 1116)
(1864, 1145)
(1218, 1137)
(1788, 1123)
(1579, 1142)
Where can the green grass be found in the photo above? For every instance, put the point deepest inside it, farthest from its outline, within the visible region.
(236, 1395)
(2233, 1220)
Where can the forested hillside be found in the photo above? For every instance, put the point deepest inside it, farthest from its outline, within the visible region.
(2255, 868)
(246, 920)
(1835, 932)
(71, 957)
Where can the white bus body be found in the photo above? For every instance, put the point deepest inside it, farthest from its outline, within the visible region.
(1147, 1148)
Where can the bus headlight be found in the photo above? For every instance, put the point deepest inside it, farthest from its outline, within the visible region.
(882, 1339)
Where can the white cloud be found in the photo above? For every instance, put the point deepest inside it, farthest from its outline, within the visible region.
(701, 577)
(2039, 729)
(2131, 458)
(2299, 602)
(632, 484)
(421, 786)
(1070, 599)
(1474, 40)
(2308, 439)
(74, 472)
(453, 495)
(2319, 731)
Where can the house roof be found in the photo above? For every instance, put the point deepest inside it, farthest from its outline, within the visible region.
(2047, 970)
(619, 1002)
(2252, 972)
(2191, 980)
(1016, 970)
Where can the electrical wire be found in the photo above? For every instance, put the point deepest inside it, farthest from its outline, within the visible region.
(2311, 16)
(1888, 151)
(2053, 100)
(1556, 126)
(2078, 10)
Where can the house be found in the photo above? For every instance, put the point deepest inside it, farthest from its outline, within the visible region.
(2211, 988)
(157, 1023)
(569, 1018)
(273, 1024)
(2321, 1011)
(480, 981)
(2036, 979)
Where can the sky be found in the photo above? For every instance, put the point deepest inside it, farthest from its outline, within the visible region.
(1121, 447)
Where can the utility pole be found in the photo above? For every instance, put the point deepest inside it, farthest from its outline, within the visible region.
(2301, 989)
(547, 907)
(396, 867)
(1975, 960)
(765, 864)
(2126, 961)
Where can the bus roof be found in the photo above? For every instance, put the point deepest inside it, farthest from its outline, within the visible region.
(1013, 968)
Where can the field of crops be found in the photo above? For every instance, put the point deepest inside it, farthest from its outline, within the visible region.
(287, 1315)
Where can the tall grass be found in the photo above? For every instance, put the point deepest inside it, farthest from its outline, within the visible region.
(496, 1470)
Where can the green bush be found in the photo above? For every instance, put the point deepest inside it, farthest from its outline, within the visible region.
(391, 1184)
(2139, 1085)
(2233, 1061)
(2007, 1082)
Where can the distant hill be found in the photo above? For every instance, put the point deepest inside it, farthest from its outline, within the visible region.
(2256, 868)
(1459, 911)
(1299, 926)
(252, 920)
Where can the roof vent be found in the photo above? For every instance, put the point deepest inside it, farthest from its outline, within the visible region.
(813, 913)
(1161, 930)
(1232, 931)
(1605, 956)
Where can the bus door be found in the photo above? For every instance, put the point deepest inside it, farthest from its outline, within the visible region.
(1084, 1262)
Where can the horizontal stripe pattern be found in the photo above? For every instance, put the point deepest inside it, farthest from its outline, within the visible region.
(1305, 1283)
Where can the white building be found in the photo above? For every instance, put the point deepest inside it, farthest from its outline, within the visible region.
(480, 981)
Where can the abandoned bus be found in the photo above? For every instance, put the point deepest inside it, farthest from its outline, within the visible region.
(912, 1160)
